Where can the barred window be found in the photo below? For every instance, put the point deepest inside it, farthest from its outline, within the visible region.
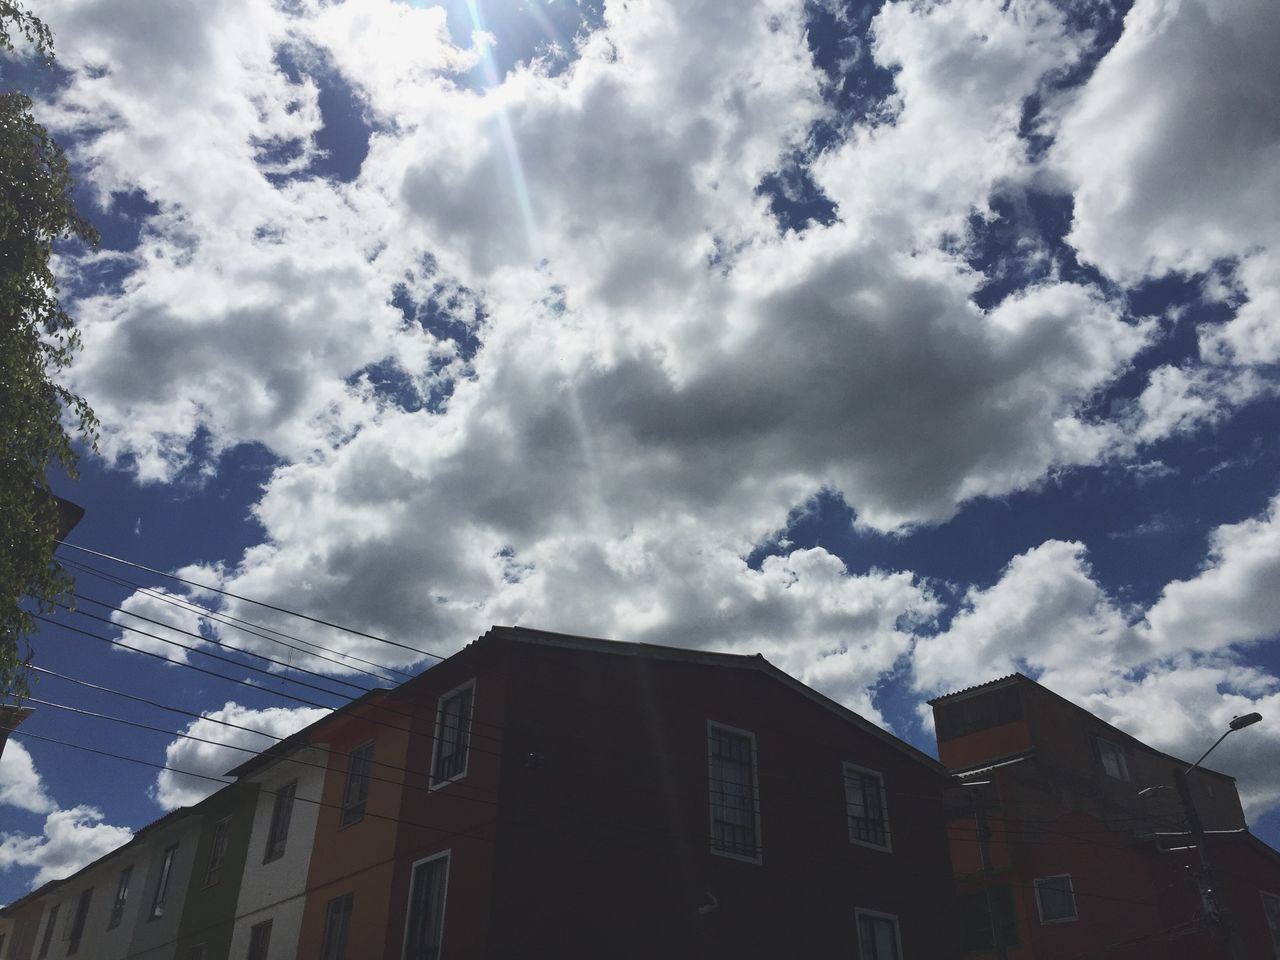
(426, 909)
(864, 799)
(453, 736)
(735, 800)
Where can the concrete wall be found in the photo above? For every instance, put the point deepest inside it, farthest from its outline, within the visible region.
(274, 891)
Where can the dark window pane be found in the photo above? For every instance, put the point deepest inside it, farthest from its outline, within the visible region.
(82, 914)
(453, 735)
(48, 930)
(357, 789)
(259, 940)
(733, 794)
(1055, 898)
(426, 910)
(877, 938)
(281, 814)
(122, 896)
(337, 922)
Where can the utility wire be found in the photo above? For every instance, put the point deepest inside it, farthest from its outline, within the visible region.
(220, 616)
(162, 623)
(206, 653)
(260, 603)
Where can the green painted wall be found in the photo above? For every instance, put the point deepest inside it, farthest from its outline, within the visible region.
(208, 915)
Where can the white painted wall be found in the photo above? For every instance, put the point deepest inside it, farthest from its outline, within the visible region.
(274, 891)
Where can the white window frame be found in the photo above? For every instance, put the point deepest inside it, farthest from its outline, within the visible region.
(1075, 908)
(432, 782)
(1120, 755)
(755, 790)
(887, 846)
(444, 901)
(1264, 896)
(860, 912)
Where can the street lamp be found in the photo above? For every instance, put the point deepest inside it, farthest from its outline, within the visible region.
(1209, 884)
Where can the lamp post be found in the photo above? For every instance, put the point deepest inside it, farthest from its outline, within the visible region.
(1216, 910)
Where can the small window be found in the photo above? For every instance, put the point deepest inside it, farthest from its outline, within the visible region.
(281, 814)
(1056, 899)
(878, 936)
(198, 952)
(983, 914)
(1111, 756)
(81, 915)
(425, 928)
(1271, 908)
(162, 885)
(453, 736)
(337, 921)
(735, 793)
(357, 789)
(259, 940)
(217, 850)
(47, 940)
(122, 897)
(864, 799)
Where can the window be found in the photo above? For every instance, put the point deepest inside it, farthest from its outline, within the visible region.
(198, 952)
(1056, 899)
(425, 927)
(878, 936)
(122, 897)
(337, 920)
(281, 813)
(977, 929)
(981, 712)
(864, 800)
(259, 940)
(1271, 907)
(357, 789)
(162, 885)
(453, 736)
(217, 850)
(82, 914)
(735, 801)
(48, 931)
(1111, 756)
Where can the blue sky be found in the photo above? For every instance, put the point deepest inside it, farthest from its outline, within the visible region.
(908, 344)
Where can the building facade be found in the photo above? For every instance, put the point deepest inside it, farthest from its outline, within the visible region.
(539, 794)
(1069, 838)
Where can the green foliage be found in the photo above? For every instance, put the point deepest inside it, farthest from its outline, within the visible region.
(37, 339)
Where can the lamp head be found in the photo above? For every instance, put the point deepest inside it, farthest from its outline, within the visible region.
(1248, 720)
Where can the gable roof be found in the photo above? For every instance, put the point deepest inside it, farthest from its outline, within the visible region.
(734, 661)
(1022, 678)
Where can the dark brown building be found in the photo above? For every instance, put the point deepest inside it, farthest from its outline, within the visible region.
(545, 795)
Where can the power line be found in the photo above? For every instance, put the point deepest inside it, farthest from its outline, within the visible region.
(347, 667)
(260, 603)
(206, 653)
(224, 618)
(203, 639)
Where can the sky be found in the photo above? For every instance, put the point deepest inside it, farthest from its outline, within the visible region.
(908, 344)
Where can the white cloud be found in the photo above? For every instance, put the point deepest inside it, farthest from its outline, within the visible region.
(71, 839)
(1172, 676)
(662, 376)
(1234, 599)
(1175, 169)
(175, 789)
(151, 634)
(1046, 615)
(20, 784)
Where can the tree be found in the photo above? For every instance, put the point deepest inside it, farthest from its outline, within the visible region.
(37, 340)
